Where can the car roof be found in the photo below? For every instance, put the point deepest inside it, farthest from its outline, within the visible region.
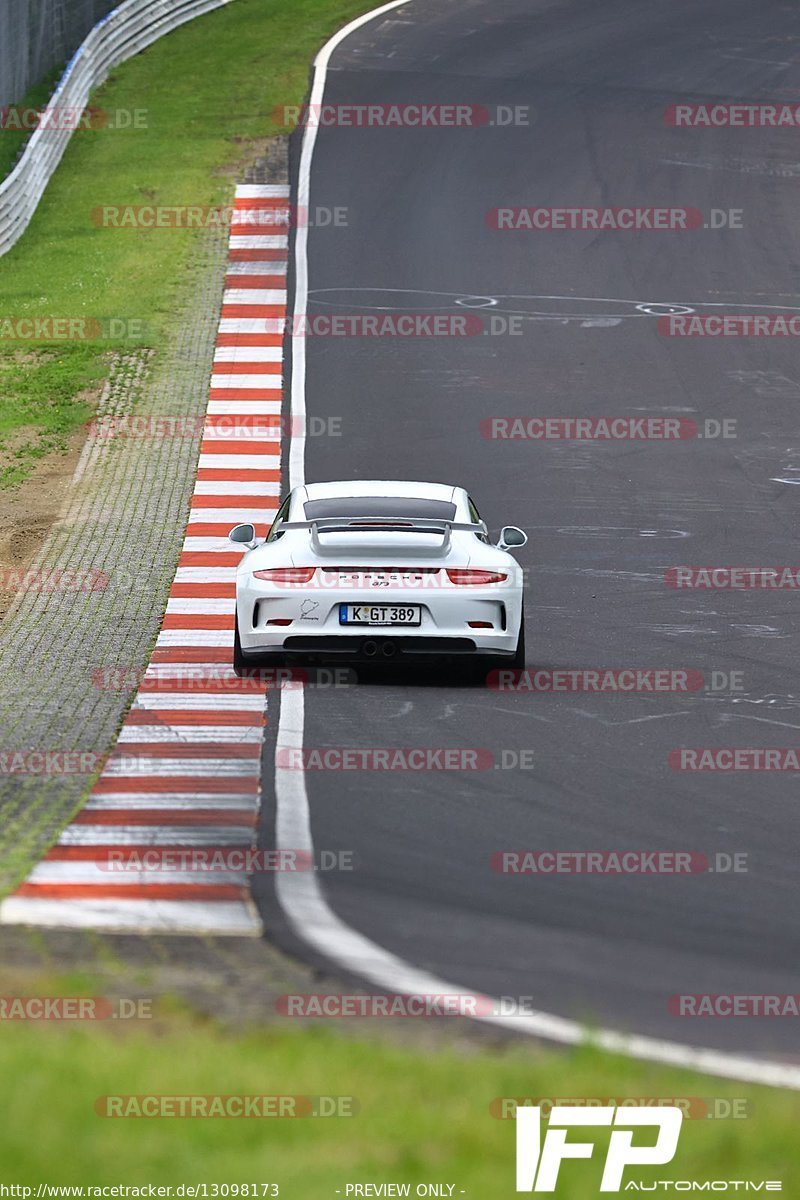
(380, 487)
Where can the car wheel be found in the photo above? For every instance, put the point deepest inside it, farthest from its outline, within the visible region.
(245, 667)
(239, 664)
(518, 662)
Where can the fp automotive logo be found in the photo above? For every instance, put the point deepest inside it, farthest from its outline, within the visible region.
(538, 1164)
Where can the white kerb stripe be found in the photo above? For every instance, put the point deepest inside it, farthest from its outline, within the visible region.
(254, 296)
(139, 768)
(245, 462)
(246, 702)
(183, 604)
(248, 354)
(237, 516)
(203, 575)
(177, 801)
(244, 408)
(174, 803)
(221, 638)
(252, 325)
(232, 918)
(261, 191)
(263, 380)
(239, 267)
(157, 835)
(176, 734)
(236, 487)
(259, 241)
(208, 545)
(100, 873)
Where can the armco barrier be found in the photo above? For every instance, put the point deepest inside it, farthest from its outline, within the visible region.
(123, 33)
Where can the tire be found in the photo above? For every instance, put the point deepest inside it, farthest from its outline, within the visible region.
(518, 661)
(245, 667)
(515, 663)
(239, 664)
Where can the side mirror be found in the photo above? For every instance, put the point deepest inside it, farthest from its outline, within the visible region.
(511, 537)
(243, 535)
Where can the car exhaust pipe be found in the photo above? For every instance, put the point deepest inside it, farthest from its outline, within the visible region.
(370, 649)
(388, 649)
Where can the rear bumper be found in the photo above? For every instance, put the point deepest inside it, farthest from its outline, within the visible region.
(310, 623)
(380, 646)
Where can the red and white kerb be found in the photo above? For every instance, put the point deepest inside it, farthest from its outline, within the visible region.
(186, 769)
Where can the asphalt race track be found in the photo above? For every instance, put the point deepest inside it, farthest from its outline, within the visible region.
(605, 520)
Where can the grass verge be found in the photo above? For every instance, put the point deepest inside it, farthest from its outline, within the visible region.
(14, 120)
(203, 99)
(44, 397)
(422, 1116)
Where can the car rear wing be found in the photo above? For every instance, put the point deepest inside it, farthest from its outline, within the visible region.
(380, 524)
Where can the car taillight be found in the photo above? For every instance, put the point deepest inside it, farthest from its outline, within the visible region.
(287, 574)
(465, 575)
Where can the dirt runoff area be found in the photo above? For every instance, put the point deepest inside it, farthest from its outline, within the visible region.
(29, 510)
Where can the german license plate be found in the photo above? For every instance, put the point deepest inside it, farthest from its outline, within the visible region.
(379, 614)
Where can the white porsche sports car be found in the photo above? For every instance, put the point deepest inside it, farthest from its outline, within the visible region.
(377, 570)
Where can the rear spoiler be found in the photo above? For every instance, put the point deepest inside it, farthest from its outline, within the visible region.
(380, 524)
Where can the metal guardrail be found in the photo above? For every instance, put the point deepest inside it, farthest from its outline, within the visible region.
(120, 35)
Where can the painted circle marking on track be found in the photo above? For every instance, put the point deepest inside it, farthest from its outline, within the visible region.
(482, 302)
(654, 308)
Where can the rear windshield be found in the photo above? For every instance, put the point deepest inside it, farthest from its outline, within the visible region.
(380, 506)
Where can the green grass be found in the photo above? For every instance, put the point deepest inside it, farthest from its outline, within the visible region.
(41, 405)
(206, 93)
(423, 1115)
(12, 139)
